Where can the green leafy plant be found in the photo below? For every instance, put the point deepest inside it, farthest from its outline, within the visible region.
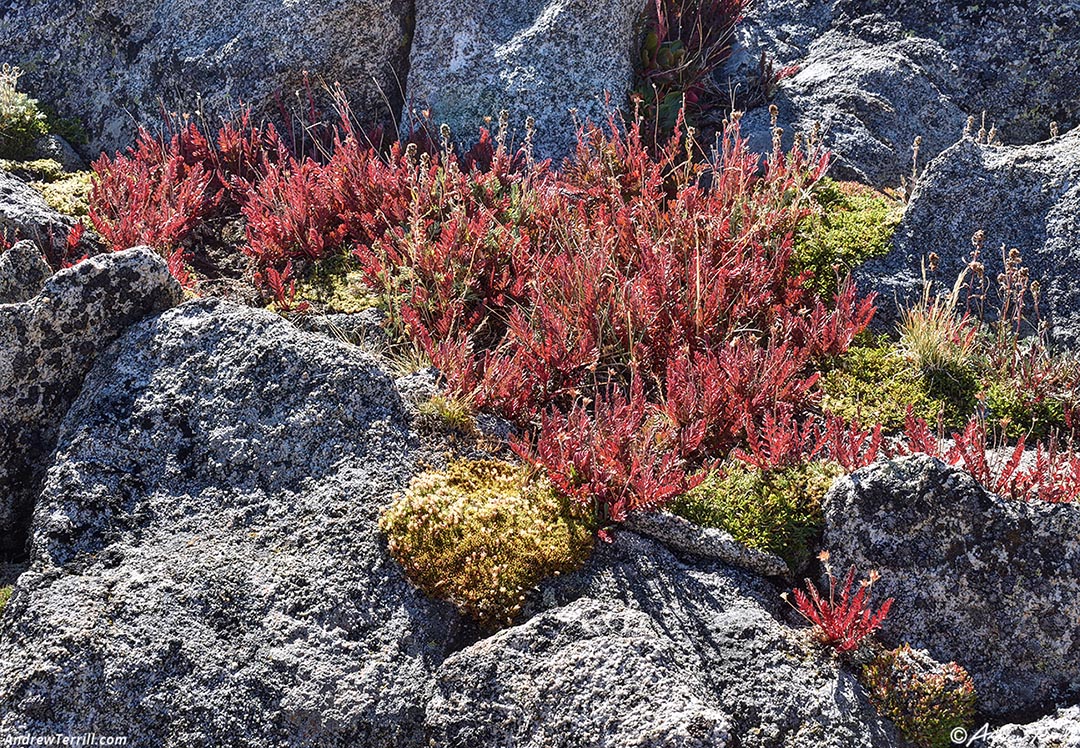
(69, 128)
(924, 699)
(482, 533)
(1023, 413)
(776, 510)
(21, 121)
(5, 595)
(684, 42)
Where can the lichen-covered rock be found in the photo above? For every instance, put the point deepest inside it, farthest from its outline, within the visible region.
(643, 649)
(683, 536)
(23, 272)
(24, 214)
(991, 583)
(1058, 730)
(782, 30)
(537, 58)
(55, 148)
(1017, 61)
(206, 565)
(418, 387)
(47, 345)
(112, 63)
(206, 569)
(876, 73)
(871, 92)
(1023, 197)
(364, 328)
(562, 678)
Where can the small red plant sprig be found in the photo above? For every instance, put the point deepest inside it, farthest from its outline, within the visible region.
(782, 442)
(843, 621)
(849, 445)
(151, 195)
(282, 287)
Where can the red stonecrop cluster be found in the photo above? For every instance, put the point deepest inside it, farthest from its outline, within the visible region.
(842, 620)
(638, 313)
(635, 311)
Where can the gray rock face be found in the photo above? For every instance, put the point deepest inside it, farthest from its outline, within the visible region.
(985, 581)
(23, 272)
(1023, 197)
(549, 676)
(206, 569)
(683, 536)
(640, 649)
(57, 149)
(1018, 61)
(782, 29)
(876, 73)
(24, 214)
(112, 62)
(871, 92)
(47, 346)
(364, 328)
(536, 58)
(1059, 730)
(206, 564)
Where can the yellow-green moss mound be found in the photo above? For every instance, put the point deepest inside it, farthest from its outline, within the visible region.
(66, 192)
(69, 194)
(851, 224)
(336, 286)
(482, 533)
(876, 384)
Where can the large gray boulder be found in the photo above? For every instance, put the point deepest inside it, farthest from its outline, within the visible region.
(538, 58)
(644, 649)
(991, 583)
(206, 564)
(1017, 61)
(683, 536)
(877, 73)
(117, 63)
(47, 345)
(207, 569)
(1023, 197)
(870, 91)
